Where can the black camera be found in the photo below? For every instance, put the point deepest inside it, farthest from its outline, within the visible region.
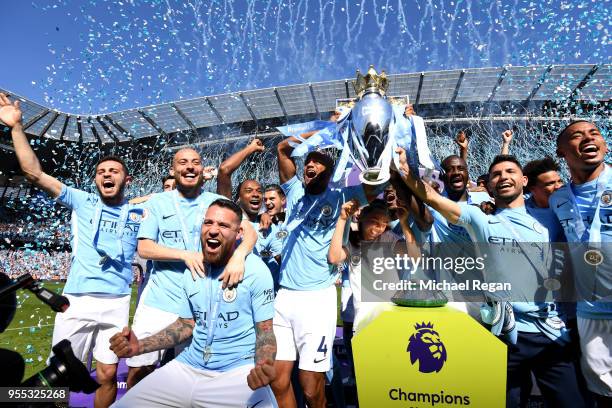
(64, 369)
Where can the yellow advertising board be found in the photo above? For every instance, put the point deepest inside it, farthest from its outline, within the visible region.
(428, 357)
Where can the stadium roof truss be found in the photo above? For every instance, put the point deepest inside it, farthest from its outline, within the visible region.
(530, 84)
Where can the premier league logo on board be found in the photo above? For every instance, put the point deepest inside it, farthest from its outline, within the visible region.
(426, 348)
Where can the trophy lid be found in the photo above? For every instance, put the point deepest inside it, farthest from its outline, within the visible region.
(371, 82)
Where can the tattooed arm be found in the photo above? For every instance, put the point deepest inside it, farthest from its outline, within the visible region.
(125, 344)
(265, 352)
(265, 343)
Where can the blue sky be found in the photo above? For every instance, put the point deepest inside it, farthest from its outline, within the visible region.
(100, 56)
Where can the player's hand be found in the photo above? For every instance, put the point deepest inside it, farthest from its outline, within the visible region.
(403, 161)
(409, 111)
(261, 375)
(233, 272)
(209, 173)
(10, 113)
(265, 220)
(487, 207)
(195, 263)
(401, 211)
(256, 145)
(507, 136)
(124, 343)
(349, 209)
(461, 140)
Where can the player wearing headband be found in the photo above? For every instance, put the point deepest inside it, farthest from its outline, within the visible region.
(305, 319)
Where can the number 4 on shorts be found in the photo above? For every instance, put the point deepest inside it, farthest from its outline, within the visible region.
(322, 347)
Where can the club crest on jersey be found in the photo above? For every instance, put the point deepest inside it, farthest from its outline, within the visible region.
(136, 217)
(229, 295)
(355, 259)
(593, 257)
(282, 234)
(606, 198)
(145, 214)
(326, 210)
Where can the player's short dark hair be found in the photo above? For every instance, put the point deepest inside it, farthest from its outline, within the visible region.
(237, 194)
(115, 159)
(447, 159)
(230, 205)
(536, 167)
(500, 158)
(275, 187)
(375, 205)
(484, 177)
(564, 130)
(166, 178)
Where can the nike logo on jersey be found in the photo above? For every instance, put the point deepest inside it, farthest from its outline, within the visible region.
(493, 222)
(255, 404)
(167, 216)
(561, 204)
(318, 361)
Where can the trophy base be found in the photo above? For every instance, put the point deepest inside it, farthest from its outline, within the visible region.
(370, 177)
(420, 298)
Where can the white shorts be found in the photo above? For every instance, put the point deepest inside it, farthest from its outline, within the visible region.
(305, 325)
(179, 385)
(90, 322)
(147, 322)
(596, 360)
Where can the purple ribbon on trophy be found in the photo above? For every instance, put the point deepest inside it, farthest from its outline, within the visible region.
(368, 131)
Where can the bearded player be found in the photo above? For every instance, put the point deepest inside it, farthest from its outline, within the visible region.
(305, 318)
(230, 361)
(104, 229)
(170, 237)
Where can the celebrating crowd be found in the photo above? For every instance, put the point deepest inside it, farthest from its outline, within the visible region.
(40, 264)
(243, 288)
(34, 232)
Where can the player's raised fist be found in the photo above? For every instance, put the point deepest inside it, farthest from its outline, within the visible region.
(348, 209)
(507, 135)
(257, 145)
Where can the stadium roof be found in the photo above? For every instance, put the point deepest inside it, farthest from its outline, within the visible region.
(530, 84)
